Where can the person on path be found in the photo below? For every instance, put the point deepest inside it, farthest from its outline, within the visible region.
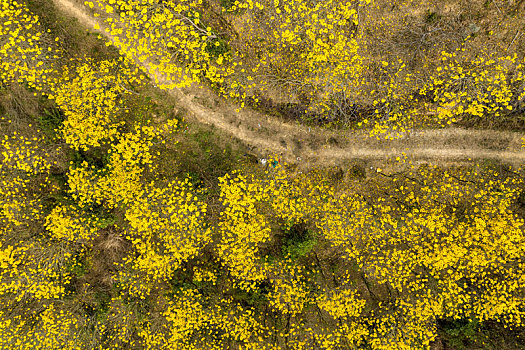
(276, 162)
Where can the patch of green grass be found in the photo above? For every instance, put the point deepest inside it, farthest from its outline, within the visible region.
(300, 249)
(50, 122)
(105, 217)
(78, 267)
(357, 171)
(460, 333)
(102, 302)
(201, 154)
(255, 298)
(431, 17)
(227, 4)
(139, 108)
(299, 241)
(179, 282)
(217, 47)
(97, 157)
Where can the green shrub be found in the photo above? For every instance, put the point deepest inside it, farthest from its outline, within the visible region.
(459, 334)
(50, 121)
(217, 47)
(298, 241)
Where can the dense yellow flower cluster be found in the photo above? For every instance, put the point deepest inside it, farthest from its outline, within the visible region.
(190, 323)
(341, 303)
(90, 101)
(434, 246)
(298, 48)
(282, 260)
(67, 224)
(242, 229)
(24, 179)
(165, 224)
(443, 242)
(26, 50)
(167, 228)
(316, 53)
(440, 244)
(120, 181)
(345, 307)
(290, 197)
(169, 36)
(485, 86)
(25, 278)
(289, 293)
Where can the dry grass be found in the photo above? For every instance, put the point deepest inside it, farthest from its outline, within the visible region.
(108, 249)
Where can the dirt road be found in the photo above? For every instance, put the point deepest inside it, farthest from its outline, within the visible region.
(315, 145)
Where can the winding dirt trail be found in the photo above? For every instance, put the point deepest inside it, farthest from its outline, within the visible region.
(315, 145)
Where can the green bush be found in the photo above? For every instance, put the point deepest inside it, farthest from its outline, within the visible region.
(217, 47)
(459, 334)
(50, 121)
(298, 241)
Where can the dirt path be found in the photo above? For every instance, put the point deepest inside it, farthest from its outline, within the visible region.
(313, 145)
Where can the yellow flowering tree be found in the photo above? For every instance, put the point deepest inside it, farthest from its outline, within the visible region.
(91, 101)
(166, 227)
